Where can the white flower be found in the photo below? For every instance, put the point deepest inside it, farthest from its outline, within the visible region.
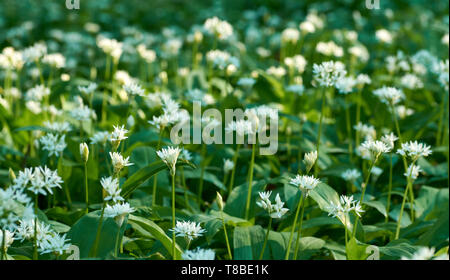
(305, 183)
(367, 131)
(351, 175)
(54, 144)
(119, 162)
(88, 89)
(185, 155)
(241, 127)
(170, 156)
(414, 150)
(100, 137)
(55, 60)
(389, 139)
(290, 35)
(220, 28)
(82, 113)
(307, 27)
(278, 72)
(35, 52)
(187, 229)
(376, 148)
(118, 211)
(413, 172)
(389, 95)
(118, 135)
(345, 205)
(198, 255)
(59, 127)
(425, 253)
(55, 243)
(228, 165)
(329, 49)
(110, 46)
(384, 36)
(411, 81)
(37, 93)
(133, 88)
(363, 79)
(111, 186)
(148, 55)
(345, 85)
(8, 239)
(328, 73)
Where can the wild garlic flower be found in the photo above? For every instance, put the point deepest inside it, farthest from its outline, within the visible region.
(40, 180)
(110, 46)
(55, 243)
(310, 159)
(330, 49)
(58, 127)
(290, 35)
(118, 211)
(199, 254)
(219, 28)
(411, 81)
(148, 55)
(100, 137)
(111, 187)
(228, 165)
(414, 150)
(413, 172)
(133, 88)
(366, 131)
(345, 205)
(118, 135)
(375, 148)
(35, 52)
(276, 210)
(363, 79)
(53, 143)
(328, 73)
(185, 155)
(169, 156)
(8, 239)
(88, 90)
(425, 253)
(277, 72)
(26, 230)
(119, 162)
(384, 36)
(82, 113)
(345, 85)
(188, 230)
(305, 183)
(351, 175)
(55, 60)
(389, 95)
(37, 93)
(15, 205)
(11, 59)
(389, 139)
(241, 127)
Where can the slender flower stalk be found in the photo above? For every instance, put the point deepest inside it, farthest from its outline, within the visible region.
(291, 236)
(233, 172)
(221, 206)
(319, 132)
(250, 182)
(266, 238)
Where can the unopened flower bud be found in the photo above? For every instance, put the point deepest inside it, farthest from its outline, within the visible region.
(84, 152)
(220, 201)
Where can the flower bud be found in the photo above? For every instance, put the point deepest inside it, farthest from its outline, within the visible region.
(220, 201)
(84, 152)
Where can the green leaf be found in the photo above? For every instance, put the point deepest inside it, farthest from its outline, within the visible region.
(377, 205)
(247, 242)
(356, 250)
(157, 232)
(144, 174)
(83, 234)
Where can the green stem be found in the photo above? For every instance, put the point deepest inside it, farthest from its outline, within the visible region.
(202, 174)
(86, 190)
(173, 216)
(250, 181)
(233, 172)
(265, 239)
(388, 205)
(291, 236)
(319, 133)
(397, 232)
(155, 179)
(35, 246)
(3, 248)
(349, 131)
(363, 191)
(97, 235)
(299, 232)
(226, 236)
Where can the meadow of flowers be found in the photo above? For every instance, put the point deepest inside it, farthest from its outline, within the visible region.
(90, 97)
